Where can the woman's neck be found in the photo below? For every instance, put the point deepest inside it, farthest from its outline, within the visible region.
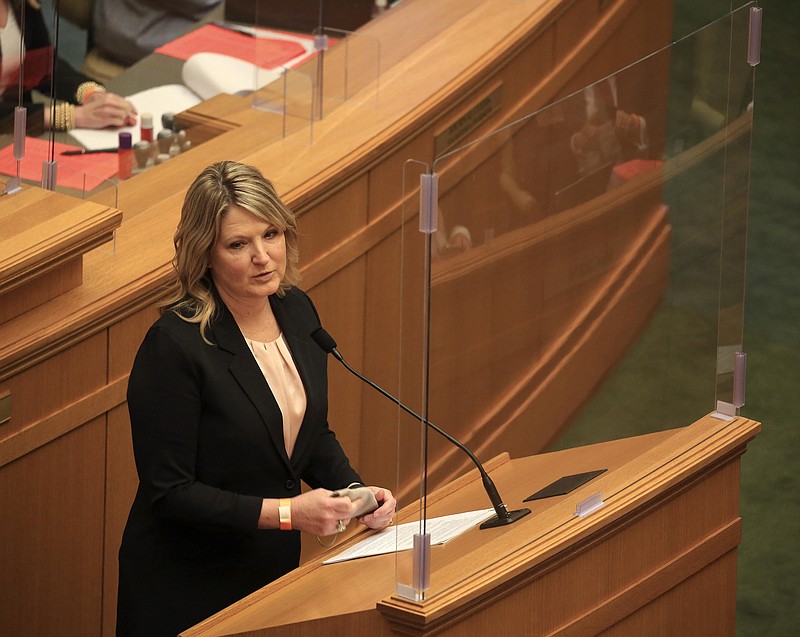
(255, 319)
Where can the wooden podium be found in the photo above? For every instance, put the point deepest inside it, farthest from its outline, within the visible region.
(657, 558)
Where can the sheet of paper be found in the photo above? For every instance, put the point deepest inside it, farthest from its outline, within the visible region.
(243, 63)
(169, 98)
(209, 74)
(80, 172)
(401, 537)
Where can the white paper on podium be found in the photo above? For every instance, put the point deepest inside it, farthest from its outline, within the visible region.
(169, 98)
(401, 538)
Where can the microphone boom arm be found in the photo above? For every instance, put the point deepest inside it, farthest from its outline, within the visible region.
(502, 516)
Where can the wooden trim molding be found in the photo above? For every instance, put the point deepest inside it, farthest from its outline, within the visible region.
(73, 416)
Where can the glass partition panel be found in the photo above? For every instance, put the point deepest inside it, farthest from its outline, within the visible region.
(575, 274)
(317, 72)
(32, 154)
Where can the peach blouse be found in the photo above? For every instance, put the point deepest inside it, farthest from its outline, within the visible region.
(281, 374)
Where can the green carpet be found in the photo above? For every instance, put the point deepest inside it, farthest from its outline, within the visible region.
(769, 565)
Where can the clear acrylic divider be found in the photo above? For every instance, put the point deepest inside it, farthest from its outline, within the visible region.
(302, 78)
(67, 180)
(346, 67)
(292, 98)
(54, 175)
(574, 275)
(30, 157)
(88, 187)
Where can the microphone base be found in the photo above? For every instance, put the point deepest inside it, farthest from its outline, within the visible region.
(513, 516)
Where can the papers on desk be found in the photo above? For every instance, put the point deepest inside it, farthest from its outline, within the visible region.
(265, 47)
(210, 74)
(235, 60)
(79, 172)
(401, 538)
(170, 98)
(250, 60)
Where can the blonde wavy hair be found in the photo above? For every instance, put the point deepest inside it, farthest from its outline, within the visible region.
(213, 192)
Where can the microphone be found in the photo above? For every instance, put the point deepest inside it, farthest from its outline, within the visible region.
(502, 516)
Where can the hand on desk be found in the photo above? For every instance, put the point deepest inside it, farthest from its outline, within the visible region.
(104, 110)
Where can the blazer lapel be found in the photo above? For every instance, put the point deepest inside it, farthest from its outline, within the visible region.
(303, 350)
(248, 375)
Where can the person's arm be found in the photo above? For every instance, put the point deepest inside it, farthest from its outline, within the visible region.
(311, 512)
(166, 405)
(66, 85)
(92, 105)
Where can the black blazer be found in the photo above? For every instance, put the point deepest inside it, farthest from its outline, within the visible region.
(208, 443)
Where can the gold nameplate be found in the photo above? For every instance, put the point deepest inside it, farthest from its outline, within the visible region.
(468, 122)
(5, 407)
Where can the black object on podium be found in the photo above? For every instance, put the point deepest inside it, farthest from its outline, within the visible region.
(564, 485)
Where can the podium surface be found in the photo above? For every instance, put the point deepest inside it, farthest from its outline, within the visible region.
(657, 558)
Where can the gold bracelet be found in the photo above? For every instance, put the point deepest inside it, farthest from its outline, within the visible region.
(69, 116)
(57, 123)
(64, 117)
(86, 90)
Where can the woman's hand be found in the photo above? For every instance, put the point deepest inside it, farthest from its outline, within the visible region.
(104, 110)
(381, 517)
(319, 512)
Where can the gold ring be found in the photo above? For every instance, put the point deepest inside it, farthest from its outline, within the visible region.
(340, 527)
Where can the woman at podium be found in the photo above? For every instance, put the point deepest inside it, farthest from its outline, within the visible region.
(228, 408)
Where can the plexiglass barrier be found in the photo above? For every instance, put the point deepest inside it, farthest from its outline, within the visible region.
(575, 274)
(331, 66)
(31, 156)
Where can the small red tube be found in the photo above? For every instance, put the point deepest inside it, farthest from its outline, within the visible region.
(125, 156)
(146, 127)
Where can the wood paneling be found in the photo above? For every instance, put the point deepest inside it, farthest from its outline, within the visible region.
(45, 235)
(51, 536)
(121, 483)
(54, 396)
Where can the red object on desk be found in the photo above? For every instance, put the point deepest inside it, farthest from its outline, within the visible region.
(268, 53)
(80, 172)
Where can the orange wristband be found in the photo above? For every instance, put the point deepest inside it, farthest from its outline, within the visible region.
(285, 514)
